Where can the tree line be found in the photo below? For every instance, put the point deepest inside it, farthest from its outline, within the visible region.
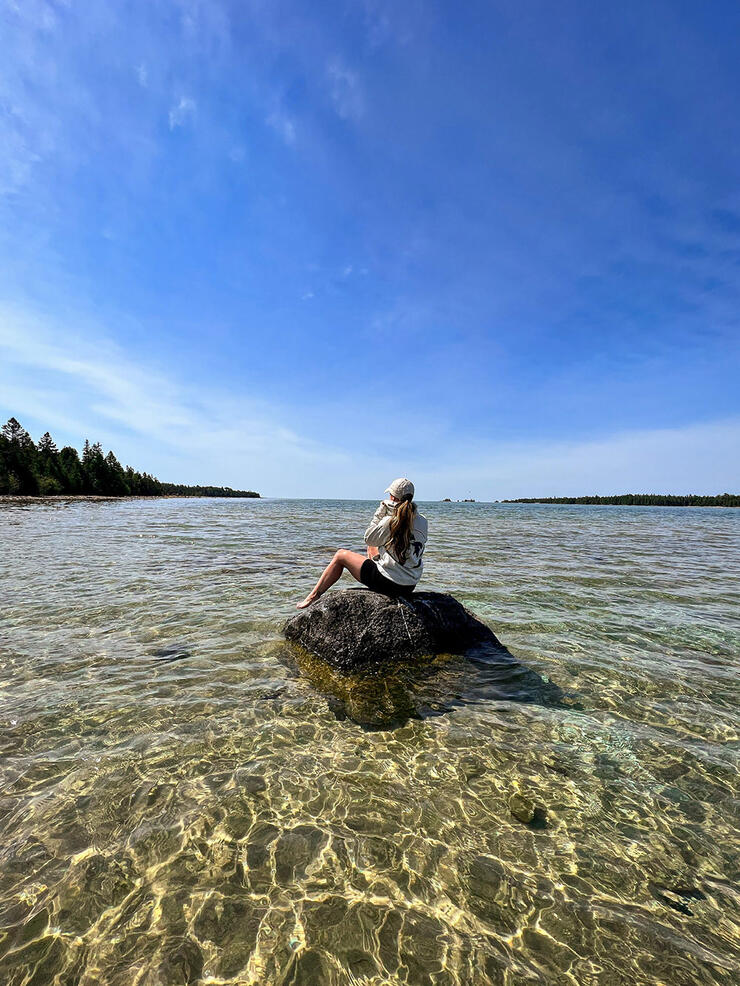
(31, 469)
(641, 500)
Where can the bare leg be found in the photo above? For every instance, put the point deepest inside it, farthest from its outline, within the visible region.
(351, 560)
(372, 552)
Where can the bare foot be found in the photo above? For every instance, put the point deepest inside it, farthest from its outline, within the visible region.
(310, 598)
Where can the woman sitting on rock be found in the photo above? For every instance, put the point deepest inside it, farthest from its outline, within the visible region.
(395, 543)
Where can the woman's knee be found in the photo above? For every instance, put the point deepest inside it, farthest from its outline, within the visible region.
(340, 556)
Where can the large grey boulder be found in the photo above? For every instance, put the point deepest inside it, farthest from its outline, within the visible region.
(352, 629)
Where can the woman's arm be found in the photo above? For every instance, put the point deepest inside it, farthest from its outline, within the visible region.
(379, 531)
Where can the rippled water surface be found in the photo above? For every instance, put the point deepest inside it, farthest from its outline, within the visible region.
(184, 801)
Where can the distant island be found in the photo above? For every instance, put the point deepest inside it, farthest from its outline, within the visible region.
(27, 469)
(641, 500)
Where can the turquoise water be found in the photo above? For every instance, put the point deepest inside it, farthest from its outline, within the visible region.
(184, 801)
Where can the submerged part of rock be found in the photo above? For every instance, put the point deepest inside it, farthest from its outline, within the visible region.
(352, 629)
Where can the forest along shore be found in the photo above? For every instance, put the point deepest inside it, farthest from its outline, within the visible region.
(638, 500)
(28, 469)
(91, 498)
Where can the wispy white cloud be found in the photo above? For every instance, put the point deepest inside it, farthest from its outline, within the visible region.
(377, 21)
(696, 458)
(390, 22)
(181, 112)
(16, 159)
(142, 75)
(345, 91)
(89, 387)
(206, 25)
(282, 125)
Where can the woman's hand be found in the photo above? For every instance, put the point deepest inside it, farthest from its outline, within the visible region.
(376, 534)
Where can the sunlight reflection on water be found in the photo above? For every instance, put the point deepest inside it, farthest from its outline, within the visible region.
(181, 801)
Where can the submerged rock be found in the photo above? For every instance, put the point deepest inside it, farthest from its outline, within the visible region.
(352, 629)
(527, 811)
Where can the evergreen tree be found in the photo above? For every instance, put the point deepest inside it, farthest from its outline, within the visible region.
(30, 470)
(48, 474)
(46, 445)
(70, 469)
(132, 481)
(17, 435)
(94, 469)
(18, 468)
(5, 481)
(116, 478)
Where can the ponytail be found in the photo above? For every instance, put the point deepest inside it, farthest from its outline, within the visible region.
(402, 526)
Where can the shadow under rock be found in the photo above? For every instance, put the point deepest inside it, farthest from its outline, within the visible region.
(394, 692)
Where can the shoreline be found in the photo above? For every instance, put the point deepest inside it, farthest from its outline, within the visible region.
(76, 497)
(27, 498)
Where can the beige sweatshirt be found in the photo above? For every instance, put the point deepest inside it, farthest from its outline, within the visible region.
(378, 535)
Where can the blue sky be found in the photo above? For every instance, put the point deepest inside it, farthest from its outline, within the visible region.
(305, 248)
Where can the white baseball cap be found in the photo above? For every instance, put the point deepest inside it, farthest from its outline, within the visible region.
(401, 488)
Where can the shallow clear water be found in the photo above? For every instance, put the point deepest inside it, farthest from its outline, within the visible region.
(183, 801)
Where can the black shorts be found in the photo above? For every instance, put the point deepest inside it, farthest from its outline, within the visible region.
(373, 578)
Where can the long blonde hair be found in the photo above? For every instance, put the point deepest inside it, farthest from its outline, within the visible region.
(402, 526)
